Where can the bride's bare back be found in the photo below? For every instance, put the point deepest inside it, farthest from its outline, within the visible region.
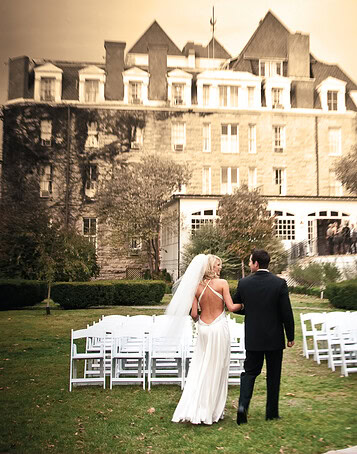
(211, 304)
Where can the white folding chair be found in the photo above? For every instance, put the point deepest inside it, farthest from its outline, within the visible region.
(307, 332)
(128, 357)
(167, 355)
(349, 353)
(237, 357)
(93, 361)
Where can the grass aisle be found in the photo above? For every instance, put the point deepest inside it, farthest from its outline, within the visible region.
(39, 415)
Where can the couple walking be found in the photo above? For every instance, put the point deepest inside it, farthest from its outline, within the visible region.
(264, 300)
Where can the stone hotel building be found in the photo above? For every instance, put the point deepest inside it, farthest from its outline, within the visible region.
(273, 117)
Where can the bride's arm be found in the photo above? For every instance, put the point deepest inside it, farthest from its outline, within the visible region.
(194, 310)
(232, 307)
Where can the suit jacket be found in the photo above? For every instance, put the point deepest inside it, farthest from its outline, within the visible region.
(267, 311)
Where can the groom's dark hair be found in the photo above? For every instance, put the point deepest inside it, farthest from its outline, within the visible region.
(262, 257)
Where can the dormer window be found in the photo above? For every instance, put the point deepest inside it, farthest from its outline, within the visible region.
(228, 96)
(48, 88)
(332, 95)
(277, 98)
(135, 90)
(277, 92)
(136, 82)
(270, 68)
(91, 84)
(91, 90)
(48, 83)
(178, 94)
(179, 88)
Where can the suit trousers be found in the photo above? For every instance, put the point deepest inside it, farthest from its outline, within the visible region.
(252, 368)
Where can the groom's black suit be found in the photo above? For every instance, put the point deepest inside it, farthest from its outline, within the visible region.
(268, 312)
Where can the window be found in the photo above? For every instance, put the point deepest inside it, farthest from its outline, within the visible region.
(270, 68)
(285, 229)
(251, 96)
(277, 98)
(135, 96)
(229, 138)
(178, 94)
(206, 137)
(178, 134)
(136, 138)
(206, 92)
(335, 186)
(46, 178)
(223, 95)
(334, 139)
(252, 139)
(46, 132)
(91, 90)
(91, 181)
(229, 179)
(228, 96)
(252, 178)
(92, 135)
(233, 96)
(332, 97)
(280, 181)
(200, 218)
(279, 138)
(206, 180)
(135, 245)
(47, 89)
(90, 229)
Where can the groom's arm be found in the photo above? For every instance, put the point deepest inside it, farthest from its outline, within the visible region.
(237, 299)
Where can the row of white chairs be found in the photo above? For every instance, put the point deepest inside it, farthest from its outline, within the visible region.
(134, 350)
(331, 336)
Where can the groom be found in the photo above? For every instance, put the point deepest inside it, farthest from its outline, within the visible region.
(268, 313)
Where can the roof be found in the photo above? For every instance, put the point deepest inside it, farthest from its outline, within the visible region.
(207, 52)
(154, 35)
(321, 71)
(268, 40)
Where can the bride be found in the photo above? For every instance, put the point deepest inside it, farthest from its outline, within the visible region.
(205, 393)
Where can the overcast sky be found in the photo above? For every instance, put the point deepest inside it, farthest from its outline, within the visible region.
(77, 29)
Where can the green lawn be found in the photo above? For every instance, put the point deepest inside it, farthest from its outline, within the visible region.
(39, 415)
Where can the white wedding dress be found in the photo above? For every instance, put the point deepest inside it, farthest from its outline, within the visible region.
(205, 393)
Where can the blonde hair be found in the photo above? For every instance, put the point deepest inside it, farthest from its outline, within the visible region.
(209, 272)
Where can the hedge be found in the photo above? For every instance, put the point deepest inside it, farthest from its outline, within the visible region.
(16, 293)
(302, 289)
(343, 295)
(79, 295)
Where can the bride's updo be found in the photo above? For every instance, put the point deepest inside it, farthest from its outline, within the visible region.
(209, 271)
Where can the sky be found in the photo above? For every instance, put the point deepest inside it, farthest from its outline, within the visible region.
(75, 30)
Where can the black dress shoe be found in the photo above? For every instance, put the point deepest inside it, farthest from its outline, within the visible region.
(270, 418)
(242, 415)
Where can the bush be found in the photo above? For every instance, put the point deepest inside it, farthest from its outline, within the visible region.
(303, 290)
(315, 274)
(79, 295)
(16, 293)
(343, 295)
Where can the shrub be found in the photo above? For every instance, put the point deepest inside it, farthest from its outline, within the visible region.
(315, 274)
(303, 290)
(138, 293)
(343, 295)
(79, 295)
(20, 293)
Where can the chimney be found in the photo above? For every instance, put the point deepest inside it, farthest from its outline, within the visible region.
(158, 71)
(114, 65)
(18, 77)
(298, 55)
